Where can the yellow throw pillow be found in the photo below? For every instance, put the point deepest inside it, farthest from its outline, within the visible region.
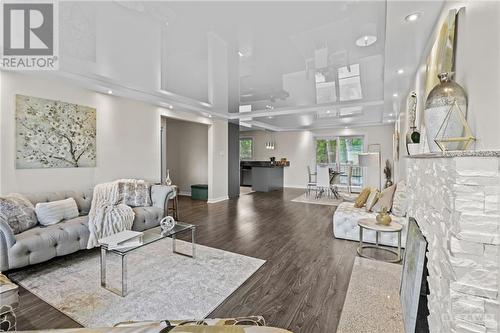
(362, 197)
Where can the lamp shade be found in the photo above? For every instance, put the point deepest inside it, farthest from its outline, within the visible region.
(369, 159)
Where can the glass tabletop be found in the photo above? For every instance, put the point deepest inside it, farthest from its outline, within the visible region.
(152, 235)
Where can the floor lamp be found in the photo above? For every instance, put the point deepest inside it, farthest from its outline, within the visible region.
(370, 160)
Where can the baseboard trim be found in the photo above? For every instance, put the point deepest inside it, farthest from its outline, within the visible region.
(185, 193)
(295, 186)
(215, 200)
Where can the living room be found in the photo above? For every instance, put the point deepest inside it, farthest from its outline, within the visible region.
(285, 166)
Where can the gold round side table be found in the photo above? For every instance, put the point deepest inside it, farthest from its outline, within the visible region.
(371, 224)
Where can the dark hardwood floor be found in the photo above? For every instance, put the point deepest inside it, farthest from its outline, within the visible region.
(301, 287)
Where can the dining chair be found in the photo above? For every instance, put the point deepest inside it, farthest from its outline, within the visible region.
(334, 182)
(323, 180)
(349, 179)
(311, 184)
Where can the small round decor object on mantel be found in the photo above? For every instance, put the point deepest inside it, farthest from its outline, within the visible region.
(167, 224)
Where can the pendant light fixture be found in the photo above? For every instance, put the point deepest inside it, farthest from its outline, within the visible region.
(270, 143)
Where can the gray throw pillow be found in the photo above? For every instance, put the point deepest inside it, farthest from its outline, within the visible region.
(18, 212)
(135, 193)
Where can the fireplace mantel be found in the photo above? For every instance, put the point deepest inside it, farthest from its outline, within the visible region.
(458, 153)
(454, 197)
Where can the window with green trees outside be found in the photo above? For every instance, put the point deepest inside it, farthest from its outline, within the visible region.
(341, 153)
(246, 148)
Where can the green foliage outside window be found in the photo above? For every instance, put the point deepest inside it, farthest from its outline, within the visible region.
(246, 148)
(326, 151)
(348, 149)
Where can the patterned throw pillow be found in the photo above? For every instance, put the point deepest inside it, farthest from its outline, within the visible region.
(372, 199)
(18, 212)
(135, 192)
(385, 199)
(400, 202)
(362, 197)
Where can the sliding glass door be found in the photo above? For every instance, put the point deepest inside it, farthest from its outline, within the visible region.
(326, 151)
(349, 149)
(341, 153)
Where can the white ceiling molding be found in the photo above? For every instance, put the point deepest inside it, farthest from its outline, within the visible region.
(304, 109)
(265, 126)
(159, 97)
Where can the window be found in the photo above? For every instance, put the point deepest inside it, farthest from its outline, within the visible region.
(349, 149)
(341, 153)
(326, 151)
(246, 148)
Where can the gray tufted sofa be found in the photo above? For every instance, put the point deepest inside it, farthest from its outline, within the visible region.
(39, 244)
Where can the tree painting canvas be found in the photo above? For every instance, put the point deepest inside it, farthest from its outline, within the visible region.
(54, 134)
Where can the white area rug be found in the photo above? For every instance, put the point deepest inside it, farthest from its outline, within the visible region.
(323, 200)
(161, 285)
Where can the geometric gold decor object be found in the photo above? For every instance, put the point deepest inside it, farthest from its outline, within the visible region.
(446, 137)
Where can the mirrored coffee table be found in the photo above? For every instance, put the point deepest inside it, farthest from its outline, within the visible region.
(150, 236)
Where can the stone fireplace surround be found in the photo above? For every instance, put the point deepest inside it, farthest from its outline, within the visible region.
(454, 197)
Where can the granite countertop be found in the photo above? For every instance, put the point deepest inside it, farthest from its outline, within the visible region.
(458, 153)
(262, 164)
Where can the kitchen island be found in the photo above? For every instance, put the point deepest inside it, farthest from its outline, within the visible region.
(262, 176)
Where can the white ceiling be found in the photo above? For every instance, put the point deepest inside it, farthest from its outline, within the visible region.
(158, 51)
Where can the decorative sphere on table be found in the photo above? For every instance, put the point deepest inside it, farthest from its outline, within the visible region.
(167, 224)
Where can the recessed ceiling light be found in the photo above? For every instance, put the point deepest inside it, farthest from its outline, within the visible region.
(270, 117)
(400, 71)
(110, 92)
(367, 40)
(413, 17)
(240, 53)
(328, 111)
(209, 116)
(391, 114)
(346, 127)
(394, 95)
(170, 107)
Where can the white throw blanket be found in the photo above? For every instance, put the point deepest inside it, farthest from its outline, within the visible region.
(108, 214)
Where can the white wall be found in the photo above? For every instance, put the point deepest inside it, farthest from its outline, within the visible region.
(128, 138)
(217, 161)
(477, 71)
(298, 147)
(187, 153)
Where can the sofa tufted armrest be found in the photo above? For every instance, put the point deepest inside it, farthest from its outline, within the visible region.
(7, 239)
(160, 194)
